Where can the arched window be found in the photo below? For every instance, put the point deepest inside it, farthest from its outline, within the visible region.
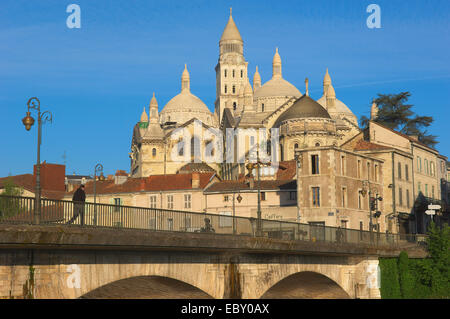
(225, 73)
(269, 148)
(180, 148)
(234, 105)
(225, 88)
(233, 73)
(242, 73)
(154, 152)
(262, 107)
(295, 146)
(234, 89)
(195, 149)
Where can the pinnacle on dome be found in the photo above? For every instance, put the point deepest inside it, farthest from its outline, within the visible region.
(326, 82)
(153, 110)
(185, 80)
(231, 31)
(276, 65)
(144, 116)
(256, 79)
(374, 111)
(331, 97)
(153, 101)
(248, 88)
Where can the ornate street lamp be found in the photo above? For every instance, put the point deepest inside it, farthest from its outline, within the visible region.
(298, 166)
(28, 121)
(98, 169)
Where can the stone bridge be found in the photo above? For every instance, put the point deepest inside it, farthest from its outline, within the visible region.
(74, 262)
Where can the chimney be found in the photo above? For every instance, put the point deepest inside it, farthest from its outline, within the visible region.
(52, 176)
(142, 185)
(195, 180)
(120, 177)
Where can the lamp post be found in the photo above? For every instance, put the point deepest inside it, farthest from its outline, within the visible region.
(298, 159)
(28, 121)
(98, 169)
(372, 203)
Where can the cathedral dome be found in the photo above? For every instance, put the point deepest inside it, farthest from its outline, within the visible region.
(304, 107)
(186, 106)
(277, 87)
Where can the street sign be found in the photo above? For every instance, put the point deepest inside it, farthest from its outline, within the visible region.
(430, 212)
(434, 207)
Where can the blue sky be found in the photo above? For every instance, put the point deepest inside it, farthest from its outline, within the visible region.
(97, 79)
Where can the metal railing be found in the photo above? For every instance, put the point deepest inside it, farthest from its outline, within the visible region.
(20, 210)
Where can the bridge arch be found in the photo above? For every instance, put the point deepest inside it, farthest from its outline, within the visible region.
(194, 279)
(147, 287)
(315, 273)
(306, 285)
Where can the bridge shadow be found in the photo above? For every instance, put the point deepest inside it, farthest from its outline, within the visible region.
(147, 287)
(306, 285)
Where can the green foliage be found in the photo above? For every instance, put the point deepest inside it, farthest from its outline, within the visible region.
(394, 113)
(438, 247)
(390, 288)
(419, 278)
(9, 206)
(406, 279)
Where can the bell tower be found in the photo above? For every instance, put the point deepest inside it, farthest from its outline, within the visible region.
(231, 71)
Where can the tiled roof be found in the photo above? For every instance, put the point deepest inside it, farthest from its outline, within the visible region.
(225, 186)
(362, 145)
(152, 183)
(196, 167)
(26, 181)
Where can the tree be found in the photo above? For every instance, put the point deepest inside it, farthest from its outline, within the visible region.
(406, 279)
(9, 206)
(394, 113)
(438, 242)
(390, 288)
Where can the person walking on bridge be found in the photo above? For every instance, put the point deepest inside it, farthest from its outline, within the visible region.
(79, 197)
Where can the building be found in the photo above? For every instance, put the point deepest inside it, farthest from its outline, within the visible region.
(157, 149)
(52, 181)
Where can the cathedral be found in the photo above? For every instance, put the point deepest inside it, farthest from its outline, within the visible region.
(302, 122)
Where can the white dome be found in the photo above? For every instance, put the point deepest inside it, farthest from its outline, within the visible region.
(341, 108)
(184, 107)
(277, 87)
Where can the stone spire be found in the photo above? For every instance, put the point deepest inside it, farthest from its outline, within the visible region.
(248, 97)
(231, 31)
(185, 80)
(326, 82)
(144, 117)
(374, 111)
(276, 65)
(331, 98)
(306, 87)
(154, 110)
(256, 79)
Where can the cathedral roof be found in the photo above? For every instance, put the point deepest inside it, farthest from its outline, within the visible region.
(277, 87)
(185, 101)
(341, 108)
(304, 107)
(186, 105)
(231, 31)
